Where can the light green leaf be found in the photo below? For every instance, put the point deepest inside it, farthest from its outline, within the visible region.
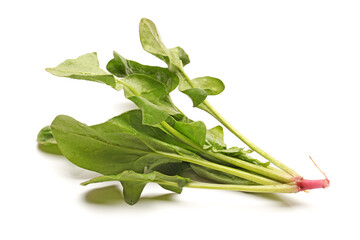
(180, 53)
(144, 86)
(85, 67)
(150, 39)
(47, 142)
(215, 138)
(211, 85)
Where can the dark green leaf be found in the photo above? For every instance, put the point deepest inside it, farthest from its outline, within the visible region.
(132, 191)
(85, 67)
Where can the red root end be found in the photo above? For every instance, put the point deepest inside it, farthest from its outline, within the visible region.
(304, 184)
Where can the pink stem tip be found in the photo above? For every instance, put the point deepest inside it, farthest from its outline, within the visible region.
(304, 184)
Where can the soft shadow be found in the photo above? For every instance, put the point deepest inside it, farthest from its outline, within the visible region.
(281, 200)
(112, 195)
(109, 195)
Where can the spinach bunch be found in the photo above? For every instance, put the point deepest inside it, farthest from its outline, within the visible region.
(157, 142)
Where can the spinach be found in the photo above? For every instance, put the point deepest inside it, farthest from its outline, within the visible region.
(157, 142)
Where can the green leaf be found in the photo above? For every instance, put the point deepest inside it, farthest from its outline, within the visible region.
(121, 67)
(85, 67)
(150, 96)
(150, 39)
(146, 93)
(211, 85)
(47, 142)
(180, 53)
(215, 138)
(45, 136)
(144, 86)
(132, 191)
(196, 95)
(133, 183)
(112, 147)
(196, 131)
(152, 114)
(106, 153)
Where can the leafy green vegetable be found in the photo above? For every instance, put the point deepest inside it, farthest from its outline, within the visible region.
(47, 142)
(211, 85)
(121, 67)
(134, 183)
(98, 150)
(85, 67)
(157, 142)
(151, 42)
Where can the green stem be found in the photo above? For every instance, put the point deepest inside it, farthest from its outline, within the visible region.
(210, 109)
(280, 188)
(276, 175)
(236, 172)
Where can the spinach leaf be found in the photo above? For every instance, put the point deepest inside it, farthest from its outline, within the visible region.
(133, 183)
(105, 152)
(85, 67)
(195, 131)
(176, 58)
(47, 142)
(121, 67)
(215, 138)
(117, 145)
(131, 122)
(150, 96)
(211, 85)
(150, 39)
(197, 95)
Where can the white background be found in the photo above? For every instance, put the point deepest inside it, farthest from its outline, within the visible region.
(291, 70)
